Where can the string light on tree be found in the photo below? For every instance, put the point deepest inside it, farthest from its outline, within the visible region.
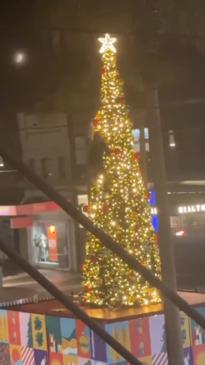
(118, 203)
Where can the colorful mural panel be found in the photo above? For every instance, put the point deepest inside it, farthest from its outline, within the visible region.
(185, 330)
(55, 359)
(26, 333)
(157, 334)
(83, 340)
(199, 355)
(198, 334)
(83, 361)
(188, 358)
(160, 359)
(24, 337)
(98, 363)
(98, 347)
(140, 337)
(4, 354)
(68, 337)
(53, 334)
(146, 360)
(4, 334)
(14, 328)
(39, 332)
(21, 355)
(27, 355)
(41, 357)
(120, 331)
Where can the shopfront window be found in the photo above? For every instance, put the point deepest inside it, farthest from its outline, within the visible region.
(189, 227)
(82, 200)
(81, 150)
(50, 244)
(140, 135)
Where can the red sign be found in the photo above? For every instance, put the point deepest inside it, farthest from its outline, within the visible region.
(14, 328)
(21, 222)
(52, 244)
(28, 209)
(37, 208)
(140, 337)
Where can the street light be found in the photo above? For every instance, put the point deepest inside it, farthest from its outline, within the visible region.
(1, 162)
(172, 142)
(20, 57)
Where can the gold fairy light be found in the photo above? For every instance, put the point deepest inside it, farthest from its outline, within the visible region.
(118, 203)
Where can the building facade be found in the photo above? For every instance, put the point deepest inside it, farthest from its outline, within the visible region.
(46, 148)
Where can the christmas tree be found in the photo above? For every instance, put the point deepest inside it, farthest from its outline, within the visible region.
(118, 204)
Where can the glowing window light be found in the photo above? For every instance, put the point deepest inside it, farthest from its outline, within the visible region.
(180, 233)
(172, 142)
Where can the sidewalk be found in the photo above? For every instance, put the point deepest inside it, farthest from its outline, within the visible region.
(21, 286)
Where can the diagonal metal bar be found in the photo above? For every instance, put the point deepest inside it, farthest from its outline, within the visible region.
(68, 303)
(105, 239)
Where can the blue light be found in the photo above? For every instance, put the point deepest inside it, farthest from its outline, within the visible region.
(153, 198)
(153, 202)
(155, 223)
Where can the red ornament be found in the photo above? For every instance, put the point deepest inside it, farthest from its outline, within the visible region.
(121, 99)
(88, 288)
(103, 70)
(136, 156)
(105, 208)
(96, 123)
(156, 239)
(86, 209)
(130, 274)
(116, 151)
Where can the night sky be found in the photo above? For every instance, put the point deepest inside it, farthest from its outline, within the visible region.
(62, 70)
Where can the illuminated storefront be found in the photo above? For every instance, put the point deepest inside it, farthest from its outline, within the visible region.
(52, 241)
(50, 244)
(188, 221)
(46, 234)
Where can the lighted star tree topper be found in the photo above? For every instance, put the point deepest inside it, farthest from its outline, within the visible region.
(118, 203)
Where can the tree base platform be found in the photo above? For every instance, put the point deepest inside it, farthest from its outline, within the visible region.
(46, 331)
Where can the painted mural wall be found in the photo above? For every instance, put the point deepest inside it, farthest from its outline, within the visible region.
(34, 339)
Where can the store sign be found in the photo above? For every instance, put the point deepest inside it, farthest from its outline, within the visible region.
(191, 209)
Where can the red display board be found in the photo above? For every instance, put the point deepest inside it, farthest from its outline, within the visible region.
(52, 243)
